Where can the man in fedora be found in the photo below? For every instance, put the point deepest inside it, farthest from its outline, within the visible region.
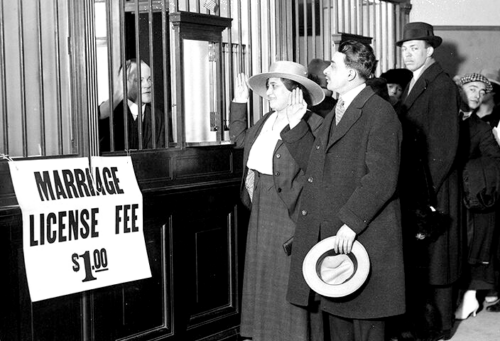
(351, 170)
(430, 120)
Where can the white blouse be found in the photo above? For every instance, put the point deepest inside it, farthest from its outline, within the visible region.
(261, 153)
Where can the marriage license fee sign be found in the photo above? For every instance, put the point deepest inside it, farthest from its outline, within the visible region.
(82, 225)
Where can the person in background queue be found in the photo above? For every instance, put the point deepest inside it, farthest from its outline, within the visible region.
(271, 187)
(315, 69)
(379, 86)
(397, 80)
(481, 171)
(428, 114)
(352, 167)
(489, 111)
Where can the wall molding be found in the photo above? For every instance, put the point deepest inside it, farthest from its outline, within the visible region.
(466, 28)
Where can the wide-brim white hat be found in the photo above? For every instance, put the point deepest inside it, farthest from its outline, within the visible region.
(333, 274)
(289, 70)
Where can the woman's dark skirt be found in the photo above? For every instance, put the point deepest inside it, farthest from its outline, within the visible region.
(266, 314)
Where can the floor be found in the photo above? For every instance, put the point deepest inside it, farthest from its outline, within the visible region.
(484, 327)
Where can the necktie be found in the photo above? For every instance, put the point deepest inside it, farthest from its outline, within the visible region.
(249, 183)
(339, 110)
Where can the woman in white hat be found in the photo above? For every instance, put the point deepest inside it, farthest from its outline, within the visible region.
(271, 186)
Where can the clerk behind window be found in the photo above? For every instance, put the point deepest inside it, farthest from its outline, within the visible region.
(132, 112)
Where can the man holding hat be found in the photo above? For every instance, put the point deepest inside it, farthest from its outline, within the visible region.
(349, 198)
(428, 113)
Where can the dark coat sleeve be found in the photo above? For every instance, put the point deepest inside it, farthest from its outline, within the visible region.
(238, 124)
(481, 175)
(299, 141)
(442, 129)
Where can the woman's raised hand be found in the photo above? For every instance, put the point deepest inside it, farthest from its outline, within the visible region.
(296, 107)
(241, 89)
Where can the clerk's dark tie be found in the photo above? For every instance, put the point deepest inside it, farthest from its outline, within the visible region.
(339, 110)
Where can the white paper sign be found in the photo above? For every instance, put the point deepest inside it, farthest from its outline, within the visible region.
(82, 225)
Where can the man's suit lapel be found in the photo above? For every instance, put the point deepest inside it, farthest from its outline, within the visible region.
(351, 116)
(421, 84)
(326, 128)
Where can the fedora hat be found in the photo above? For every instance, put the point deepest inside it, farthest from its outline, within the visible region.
(334, 274)
(289, 70)
(420, 31)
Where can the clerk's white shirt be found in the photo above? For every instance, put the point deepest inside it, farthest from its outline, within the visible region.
(134, 109)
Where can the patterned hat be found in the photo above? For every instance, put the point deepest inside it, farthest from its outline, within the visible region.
(476, 77)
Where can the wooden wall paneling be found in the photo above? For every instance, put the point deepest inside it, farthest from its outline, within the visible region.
(205, 249)
(139, 310)
(10, 312)
(55, 319)
(194, 227)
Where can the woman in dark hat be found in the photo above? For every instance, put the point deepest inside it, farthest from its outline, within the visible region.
(397, 80)
(270, 188)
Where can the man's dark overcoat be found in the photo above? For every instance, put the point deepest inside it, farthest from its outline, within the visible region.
(430, 111)
(352, 172)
